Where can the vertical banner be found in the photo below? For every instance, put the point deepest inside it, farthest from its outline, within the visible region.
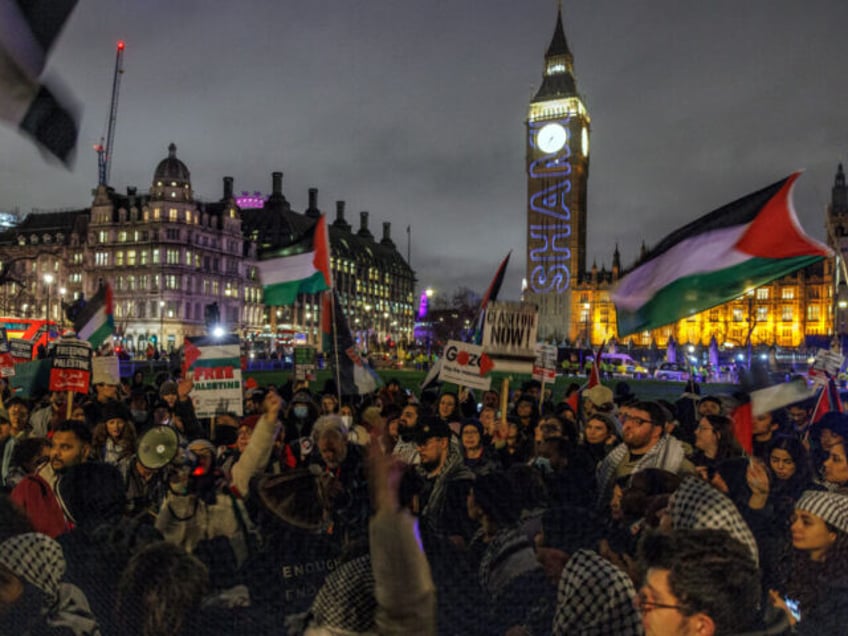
(215, 365)
(509, 335)
(71, 368)
(7, 363)
(305, 363)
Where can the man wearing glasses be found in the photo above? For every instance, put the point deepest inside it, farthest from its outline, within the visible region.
(704, 583)
(645, 446)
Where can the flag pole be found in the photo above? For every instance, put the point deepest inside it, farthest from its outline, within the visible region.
(332, 293)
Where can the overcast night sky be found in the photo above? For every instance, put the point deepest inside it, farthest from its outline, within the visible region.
(414, 110)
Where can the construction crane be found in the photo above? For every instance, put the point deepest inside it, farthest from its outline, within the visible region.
(104, 152)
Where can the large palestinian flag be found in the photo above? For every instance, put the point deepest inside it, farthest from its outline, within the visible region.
(95, 321)
(716, 259)
(300, 268)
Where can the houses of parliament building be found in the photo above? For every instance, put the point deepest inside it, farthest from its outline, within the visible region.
(574, 301)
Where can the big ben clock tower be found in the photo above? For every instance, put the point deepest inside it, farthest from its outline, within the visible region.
(557, 175)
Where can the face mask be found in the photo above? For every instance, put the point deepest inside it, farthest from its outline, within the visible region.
(348, 421)
(301, 411)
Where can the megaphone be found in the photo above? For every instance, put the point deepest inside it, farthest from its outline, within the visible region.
(158, 447)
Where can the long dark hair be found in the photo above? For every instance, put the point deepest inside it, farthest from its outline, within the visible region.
(800, 481)
(728, 445)
(810, 580)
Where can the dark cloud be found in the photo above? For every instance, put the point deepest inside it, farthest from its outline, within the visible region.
(415, 111)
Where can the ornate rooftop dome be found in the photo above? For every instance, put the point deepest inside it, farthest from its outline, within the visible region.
(171, 168)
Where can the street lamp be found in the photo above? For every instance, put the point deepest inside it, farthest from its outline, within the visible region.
(161, 324)
(62, 292)
(48, 280)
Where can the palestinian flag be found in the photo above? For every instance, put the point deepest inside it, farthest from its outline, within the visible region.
(715, 259)
(353, 376)
(491, 295)
(300, 268)
(28, 29)
(94, 321)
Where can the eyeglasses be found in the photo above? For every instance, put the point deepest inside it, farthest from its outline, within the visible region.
(639, 421)
(641, 603)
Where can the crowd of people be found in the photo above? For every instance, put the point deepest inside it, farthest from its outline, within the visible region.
(437, 513)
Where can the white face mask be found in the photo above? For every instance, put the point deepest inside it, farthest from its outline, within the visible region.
(348, 421)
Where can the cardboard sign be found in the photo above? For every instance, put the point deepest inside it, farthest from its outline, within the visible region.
(509, 335)
(544, 368)
(466, 365)
(105, 370)
(21, 349)
(305, 363)
(71, 369)
(31, 379)
(7, 363)
(215, 366)
(826, 365)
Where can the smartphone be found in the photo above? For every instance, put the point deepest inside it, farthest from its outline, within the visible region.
(792, 604)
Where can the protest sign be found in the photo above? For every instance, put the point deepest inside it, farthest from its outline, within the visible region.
(466, 365)
(826, 365)
(7, 363)
(21, 349)
(304, 363)
(71, 368)
(105, 370)
(544, 368)
(214, 364)
(509, 335)
(31, 379)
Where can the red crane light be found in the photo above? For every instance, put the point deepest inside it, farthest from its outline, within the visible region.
(120, 45)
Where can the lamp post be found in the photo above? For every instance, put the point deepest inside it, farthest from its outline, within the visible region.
(48, 280)
(751, 325)
(428, 293)
(161, 324)
(62, 292)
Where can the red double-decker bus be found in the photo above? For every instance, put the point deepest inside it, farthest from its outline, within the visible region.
(37, 331)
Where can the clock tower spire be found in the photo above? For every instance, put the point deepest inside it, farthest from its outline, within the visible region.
(557, 145)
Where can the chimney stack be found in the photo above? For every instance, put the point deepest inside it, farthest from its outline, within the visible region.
(363, 221)
(312, 210)
(387, 231)
(228, 188)
(277, 181)
(340, 206)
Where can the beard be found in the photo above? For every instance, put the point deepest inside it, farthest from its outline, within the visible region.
(431, 465)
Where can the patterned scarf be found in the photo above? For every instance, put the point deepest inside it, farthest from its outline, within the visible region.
(696, 505)
(508, 555)
(668, 454)
(39, 560)
(346, 603)
(595, 598)
(453, 468)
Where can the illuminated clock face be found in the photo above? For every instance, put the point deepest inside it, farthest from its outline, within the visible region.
(551, 137)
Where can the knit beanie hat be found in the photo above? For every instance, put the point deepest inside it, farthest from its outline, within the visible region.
(830, 506)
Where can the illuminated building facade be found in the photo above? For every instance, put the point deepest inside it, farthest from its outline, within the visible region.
(557, 163)
(785, 313)
(166, 256)
(169, 256)
(806, 308)
(374, 282)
